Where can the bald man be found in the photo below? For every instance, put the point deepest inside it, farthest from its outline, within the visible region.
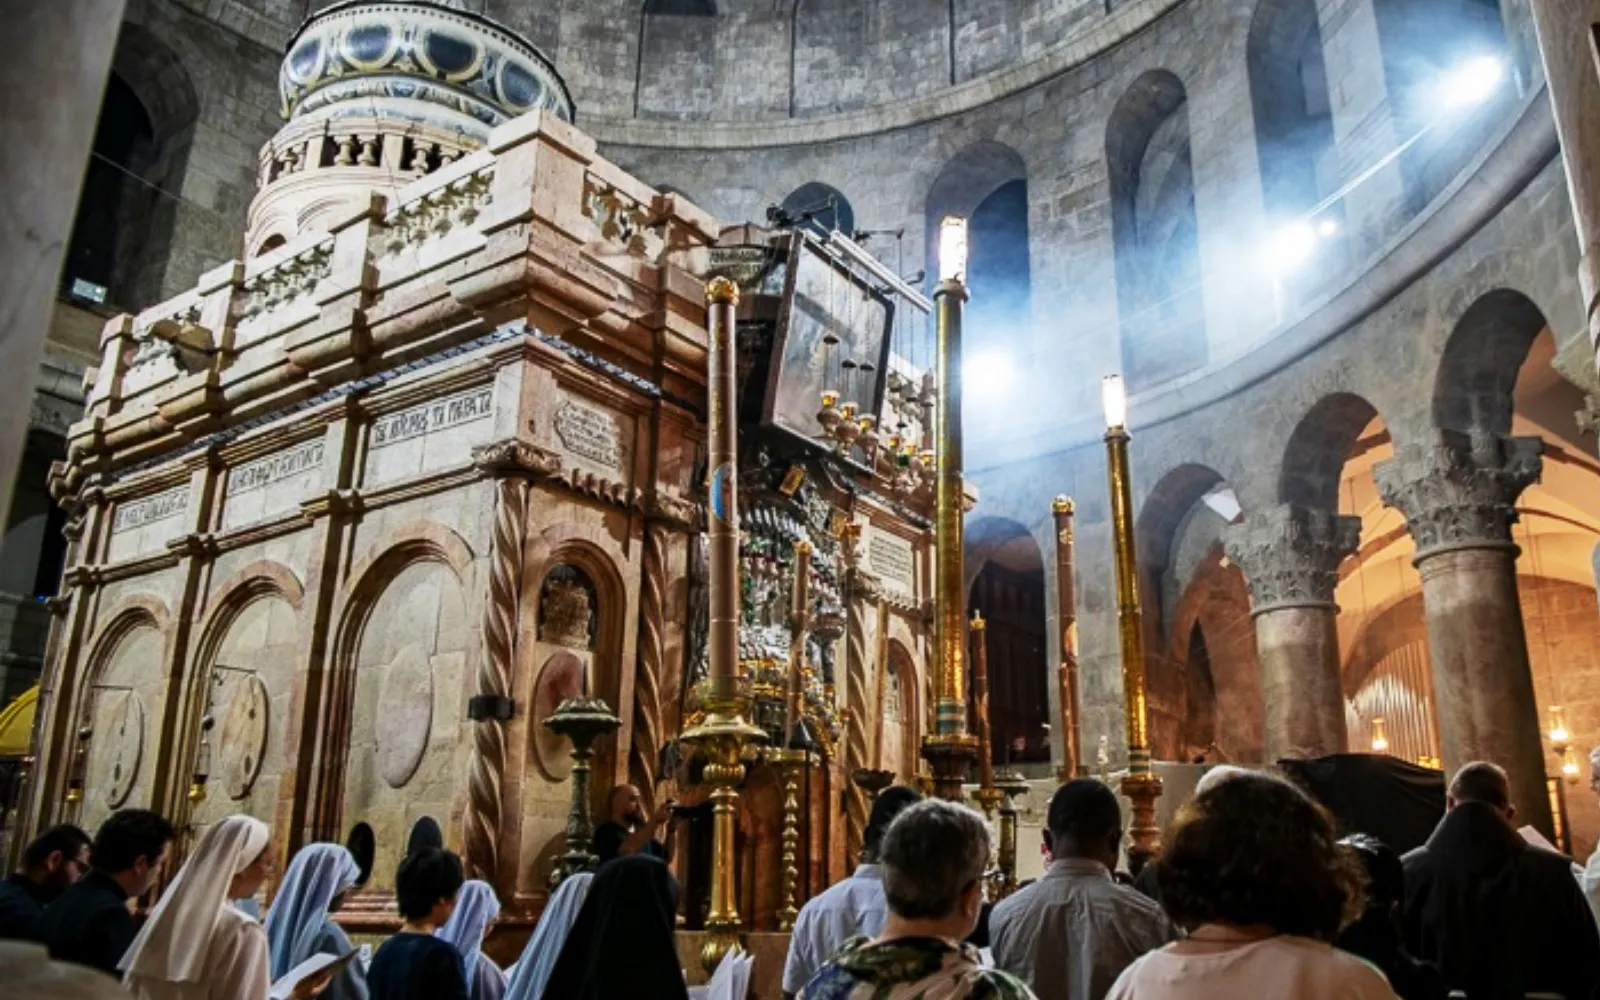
(628, 830)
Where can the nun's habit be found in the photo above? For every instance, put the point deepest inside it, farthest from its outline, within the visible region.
(298, 925)
(622, 944)
(532, 971)
(196, 944)
(476, 907)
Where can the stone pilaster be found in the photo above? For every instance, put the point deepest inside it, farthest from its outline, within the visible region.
(1459, 504)
(1290, 558)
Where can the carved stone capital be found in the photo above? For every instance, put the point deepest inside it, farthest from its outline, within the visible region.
(515, 457)
(863, 585)
(195, 545)
(1290, 555)
(672, 511)
(1456, 494)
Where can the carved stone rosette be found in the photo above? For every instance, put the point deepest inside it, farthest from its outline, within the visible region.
(1456, 496)
(862, 591)
(510, 462)
(1290, 555)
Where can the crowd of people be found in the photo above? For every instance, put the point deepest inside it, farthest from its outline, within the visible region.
(1255, 896)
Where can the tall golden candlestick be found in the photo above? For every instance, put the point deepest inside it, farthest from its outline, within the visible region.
(799, 614)
(1141, 786)
(1067, 671)
(988, 796)
(724, 731)
(950, 748)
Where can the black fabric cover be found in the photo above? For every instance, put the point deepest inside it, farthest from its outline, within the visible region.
(621, 947)
(1382, 796)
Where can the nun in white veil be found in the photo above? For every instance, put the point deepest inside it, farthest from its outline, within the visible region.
(299, 925)
(196, 945)
(476, 908)
(532, 971)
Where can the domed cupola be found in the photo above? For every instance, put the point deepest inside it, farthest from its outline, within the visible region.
(377, 94)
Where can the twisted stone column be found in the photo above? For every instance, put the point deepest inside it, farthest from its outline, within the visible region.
(1290, 558)
(862, 592)
(1459, 507)
(647, 732)
(491, 708)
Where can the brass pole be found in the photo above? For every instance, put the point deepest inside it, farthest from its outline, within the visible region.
(800, 614)
(1067, 611)
(1141, 786)
(988, 796)
(950, 748)
(724, 731)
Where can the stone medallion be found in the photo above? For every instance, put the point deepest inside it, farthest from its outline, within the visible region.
(405, 715)
(561, 678)
(243, 741)
(124, 745)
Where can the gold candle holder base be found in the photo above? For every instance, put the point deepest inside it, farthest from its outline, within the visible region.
(1009, 784)
(951, 756)
(988, 799)
(1144, 836)
(581, 720)
(722, 738)
(871, 780)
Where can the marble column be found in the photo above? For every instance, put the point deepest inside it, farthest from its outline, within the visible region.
(53, 76)
(1567, 31)
(1290, 557)
(1459, 504)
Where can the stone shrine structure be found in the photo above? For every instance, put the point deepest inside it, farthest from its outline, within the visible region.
(351, 517)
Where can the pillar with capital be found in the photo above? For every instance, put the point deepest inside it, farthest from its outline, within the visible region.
(1290, 557)
(1459, 503)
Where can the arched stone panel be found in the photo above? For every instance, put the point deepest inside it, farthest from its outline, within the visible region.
(1293, 115)
(1478, 369)
(121, 704)
(821, 207)
(1314, 459)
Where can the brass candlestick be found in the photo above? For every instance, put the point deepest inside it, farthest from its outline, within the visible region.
(950, 748)
(1067, 672)
(980, 694)
(1009, 784)
(1141, 786)
(789, 764)
(725, 729)
(581, 720)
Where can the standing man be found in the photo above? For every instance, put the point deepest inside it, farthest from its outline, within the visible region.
(55, 860)
(855, 905)
(627, 830)
(1070, 934)
(90, 924)
(1498, 916)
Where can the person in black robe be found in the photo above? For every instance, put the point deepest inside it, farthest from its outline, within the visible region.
(1376, 935)
(1499, 916)
(627, 830)
(51, 863)
(90, 924)
(622, 943)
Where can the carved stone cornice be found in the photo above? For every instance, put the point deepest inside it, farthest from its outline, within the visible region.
(1456, 495)
(862, 585)
(1290, 555)
(196, 545)
(516, 457)
(673, 511)
(333, 503)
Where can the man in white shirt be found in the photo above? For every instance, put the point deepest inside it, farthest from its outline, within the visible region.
(849, 908)
(1070, 934)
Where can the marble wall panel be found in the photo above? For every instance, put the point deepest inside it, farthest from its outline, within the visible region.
(272, 485)
(144, 525)
(125, 700)
(426, 438)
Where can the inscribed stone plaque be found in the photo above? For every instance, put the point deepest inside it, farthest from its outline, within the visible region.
(138, 513)
(405, 715)
(243, 740)
(591, 433)
(273, 468)
(892, 559)
(451, 411)
(124, 745)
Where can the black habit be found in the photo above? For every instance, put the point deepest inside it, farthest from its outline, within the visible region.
(89, 924)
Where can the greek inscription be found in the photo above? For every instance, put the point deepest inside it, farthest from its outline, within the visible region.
(262, 472)
(890, 557)
(157, 508)
(590, 433)
(436, 416)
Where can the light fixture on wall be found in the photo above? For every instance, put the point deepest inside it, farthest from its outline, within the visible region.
(1380, 735)
(1569, 766)
(1560, 738)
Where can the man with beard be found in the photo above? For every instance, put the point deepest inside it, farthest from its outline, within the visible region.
(629, 831)
(56, 859)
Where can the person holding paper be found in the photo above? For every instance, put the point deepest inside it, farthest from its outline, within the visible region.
(476, 909)
(195, 945)
(299, 924)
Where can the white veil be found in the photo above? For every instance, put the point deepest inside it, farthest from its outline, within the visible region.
(173, 944)
(539, 957)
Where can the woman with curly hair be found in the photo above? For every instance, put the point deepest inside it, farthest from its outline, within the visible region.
(1255, 877)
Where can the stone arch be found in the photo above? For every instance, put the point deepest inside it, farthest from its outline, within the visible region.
(412, 545)
(1481, 360)
(1156, 528)
(136, 631)
(821, 208)
(126, 215)
(1155, 231)
(1008, 588)
(903, 667)
(1293, 115)
(1314, 458)
(1207, 695)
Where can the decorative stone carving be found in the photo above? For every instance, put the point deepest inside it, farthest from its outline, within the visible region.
(456, 205)
(404, 715)
(138, 513)
(590, 433)
(1455, 495)
(648, 733)
(274, 468)
(565, 614)
(623, 220)
(121, 739)
(287, 281)
(1290, 555)
(515, 457)
(452, 411)
(243, 740)
(891, 558)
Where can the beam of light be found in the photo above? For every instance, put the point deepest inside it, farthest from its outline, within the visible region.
(988, 374)
(1471, 83)
(1291, 247)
